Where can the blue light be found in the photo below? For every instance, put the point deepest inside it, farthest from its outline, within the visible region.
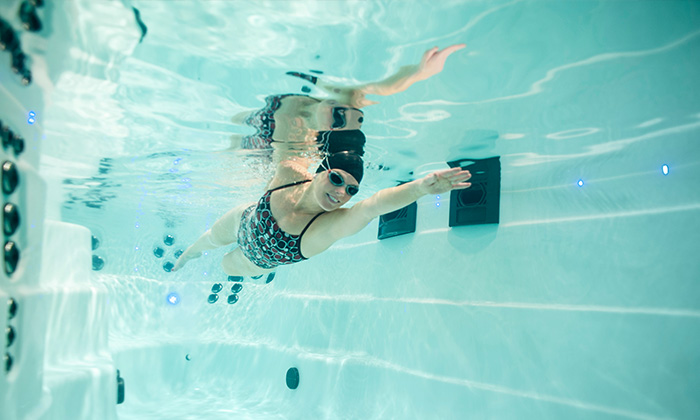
(173, 298)
(31, 120)
(437, 204)
(580, 183)
(664, 169)
(437, 196)
(137, 225)
(32, 114)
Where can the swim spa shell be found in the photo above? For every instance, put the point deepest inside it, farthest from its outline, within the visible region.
(261, 239)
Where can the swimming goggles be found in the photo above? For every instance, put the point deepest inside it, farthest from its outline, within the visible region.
(337, 179)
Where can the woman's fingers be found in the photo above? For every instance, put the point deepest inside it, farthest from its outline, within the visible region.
(430, 53)
(461, 185)
(446, 180)
(452, 48)
(435, 52)
(461, 177)
(456, 174)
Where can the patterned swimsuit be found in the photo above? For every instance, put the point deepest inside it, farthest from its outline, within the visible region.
(262, 240)
(263, 121)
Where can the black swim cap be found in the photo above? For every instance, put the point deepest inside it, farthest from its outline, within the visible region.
(349, 162)
(352, 141)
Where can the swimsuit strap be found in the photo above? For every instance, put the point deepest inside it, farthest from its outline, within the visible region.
(289, 185)
(301, 235)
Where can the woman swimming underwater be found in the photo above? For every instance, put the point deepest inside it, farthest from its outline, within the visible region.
(301, 214)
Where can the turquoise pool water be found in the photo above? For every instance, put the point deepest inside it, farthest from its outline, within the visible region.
(582, 303)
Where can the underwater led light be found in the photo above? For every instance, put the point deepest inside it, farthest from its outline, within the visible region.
(31, 120)
(173, 298)
(580, 183)
(664, 169)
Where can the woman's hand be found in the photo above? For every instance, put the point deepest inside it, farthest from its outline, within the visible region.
(440, 182)
(185, 257)
(433, 60)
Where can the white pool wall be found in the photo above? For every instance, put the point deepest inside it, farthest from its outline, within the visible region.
(61, 364)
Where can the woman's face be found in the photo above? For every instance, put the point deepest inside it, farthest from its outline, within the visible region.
(329, 196)
(332, 115)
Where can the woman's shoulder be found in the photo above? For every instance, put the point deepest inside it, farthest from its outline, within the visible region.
(285, 183)
(296, 168)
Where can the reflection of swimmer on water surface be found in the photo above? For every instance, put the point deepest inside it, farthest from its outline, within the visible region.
(294, 118)
(300, 214)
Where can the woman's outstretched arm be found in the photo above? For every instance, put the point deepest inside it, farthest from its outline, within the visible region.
(392, 199)
(223, 232)
(432, 63)
(341, 223)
